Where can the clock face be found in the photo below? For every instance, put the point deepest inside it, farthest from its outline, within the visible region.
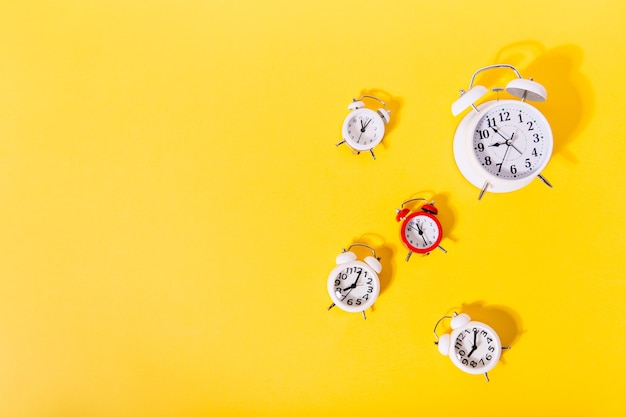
(421, 232)
(363, 129)
(511, 140)
(353, 286)
(475, 348)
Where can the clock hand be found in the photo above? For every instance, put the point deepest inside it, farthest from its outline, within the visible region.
(354, 284)
(421, 233)
(508, 142)
(474, 346)
(511, 144)
(504, 157)
(515, 147)
(498, 132)
(363, 128)
(346, 294)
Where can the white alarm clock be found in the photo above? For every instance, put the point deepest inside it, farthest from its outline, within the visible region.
(353, 285)
(364, 128)
(502, 145)
(473, 347)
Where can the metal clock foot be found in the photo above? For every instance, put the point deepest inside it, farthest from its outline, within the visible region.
(542, 178)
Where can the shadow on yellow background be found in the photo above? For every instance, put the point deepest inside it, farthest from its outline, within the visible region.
(570, 102)
(504, 320)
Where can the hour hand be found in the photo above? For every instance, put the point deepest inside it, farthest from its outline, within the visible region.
(474, 346)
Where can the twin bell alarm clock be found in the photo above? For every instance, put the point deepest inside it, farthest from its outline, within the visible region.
(353, 284)
(420, 230)
(472, 346)
(364, 128)
(502, 145)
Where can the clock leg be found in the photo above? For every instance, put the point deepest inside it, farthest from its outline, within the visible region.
(542, 178)
(441, 247)
(363, 312)
(331, 306)
(408, 256)
(372, 152)
(482, 192)
(340, 143)
(486, 377)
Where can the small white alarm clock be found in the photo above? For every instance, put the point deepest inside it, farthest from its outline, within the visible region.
(364, 128)
(353, 285)
(473, 347)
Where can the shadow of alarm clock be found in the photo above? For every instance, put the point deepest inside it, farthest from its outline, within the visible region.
(502, 145)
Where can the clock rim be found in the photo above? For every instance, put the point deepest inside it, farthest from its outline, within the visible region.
(405, 224)
(350, 142)
(466, 368)
(469, 166)
(330, 287)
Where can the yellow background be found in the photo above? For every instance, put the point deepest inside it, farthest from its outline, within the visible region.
(172, 201)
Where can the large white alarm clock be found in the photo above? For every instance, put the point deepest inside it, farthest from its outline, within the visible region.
(502, 145)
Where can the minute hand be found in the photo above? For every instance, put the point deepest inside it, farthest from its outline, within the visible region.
(421, 232)
(509, 142)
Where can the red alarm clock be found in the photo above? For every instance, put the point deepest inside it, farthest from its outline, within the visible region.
(421, 230)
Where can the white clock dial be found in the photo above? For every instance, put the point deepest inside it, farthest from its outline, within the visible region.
(353, 286)
(363, 129)
(475, 348)
(503, 144)
(512, 141)
(421, 232)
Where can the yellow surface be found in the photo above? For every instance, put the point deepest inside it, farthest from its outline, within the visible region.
(171, 203)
